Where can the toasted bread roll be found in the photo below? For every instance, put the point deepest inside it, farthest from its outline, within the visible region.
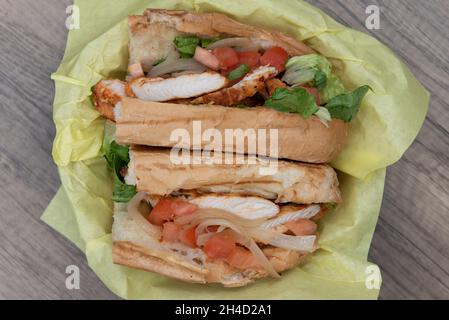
(154, 172)
(151, 34)
(152, 124)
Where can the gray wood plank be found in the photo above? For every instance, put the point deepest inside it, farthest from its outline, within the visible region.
(410, 243)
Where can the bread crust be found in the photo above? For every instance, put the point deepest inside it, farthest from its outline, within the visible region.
(301, 183)
(151, 34)
(307, 140)
(135, 256)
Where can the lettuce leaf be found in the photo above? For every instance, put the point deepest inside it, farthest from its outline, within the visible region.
(333, 88)
(186, 45)
(296, 100)
(312, 69)
(345, 106)
(117, 157)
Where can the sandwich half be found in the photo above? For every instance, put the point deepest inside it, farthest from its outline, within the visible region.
(187, 66)
(219, 223)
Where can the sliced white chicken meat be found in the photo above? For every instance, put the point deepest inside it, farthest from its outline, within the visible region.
(245, 88)
(245, 207)
(181, 87)
(107, 93)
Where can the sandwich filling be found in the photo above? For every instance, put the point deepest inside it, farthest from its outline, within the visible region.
(235, 72)
(240, 231)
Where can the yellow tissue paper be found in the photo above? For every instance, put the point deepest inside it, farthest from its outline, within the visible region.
(388, 122)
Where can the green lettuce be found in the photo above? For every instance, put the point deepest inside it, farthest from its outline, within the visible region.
(186, 45)
(296, 100)
(345, 106)
(333, 88)
(312, 69)
(117, 157)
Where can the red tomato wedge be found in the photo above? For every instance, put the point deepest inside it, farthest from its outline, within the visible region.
(250, 58)
(314, 92)
(275, 57)
(206, 58)
(166, 209)
(302, 227)
(227, 56)
(242, 258)
(220, 245)
(170, 232)
(188, 237)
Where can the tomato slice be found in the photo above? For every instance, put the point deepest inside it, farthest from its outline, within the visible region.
(314, 92)
(227, 56)
(250, 58)
(170, 232)
(188, 237)
(276, 57)
(161, 213)
(242, 258)
(302, 227)
(220, 245)
(166, 209)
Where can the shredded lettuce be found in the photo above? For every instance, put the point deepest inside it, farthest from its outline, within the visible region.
(315, 71)
(312, 69)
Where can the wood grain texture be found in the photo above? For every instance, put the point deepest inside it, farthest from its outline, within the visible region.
(411, 240)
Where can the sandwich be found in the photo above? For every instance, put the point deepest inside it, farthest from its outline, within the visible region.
(217, 223)
(187, 66)
(180, 208)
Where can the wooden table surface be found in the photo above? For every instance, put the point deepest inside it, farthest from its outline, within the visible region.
(411, 240)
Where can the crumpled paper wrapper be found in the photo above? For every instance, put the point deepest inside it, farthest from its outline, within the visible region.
(386, 125)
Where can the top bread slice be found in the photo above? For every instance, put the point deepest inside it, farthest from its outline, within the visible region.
(151, 35)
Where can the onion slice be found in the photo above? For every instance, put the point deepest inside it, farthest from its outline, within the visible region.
(179, 65)
(296, 243)
(143, 223)
(305, 213)
(244, 240)
(232, 42)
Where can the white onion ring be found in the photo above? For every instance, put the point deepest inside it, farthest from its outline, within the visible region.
(305, 213)
(244, 240)
(231, 42)
(143, 223)
(296, 243)
(178, 65)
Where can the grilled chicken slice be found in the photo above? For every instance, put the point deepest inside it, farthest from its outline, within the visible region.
(181, 87)
(245, 207)
(247, 87)
(273, 84)
(106, 94)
